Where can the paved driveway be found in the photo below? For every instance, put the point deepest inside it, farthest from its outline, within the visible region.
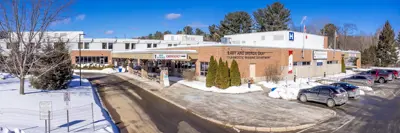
(377, 112)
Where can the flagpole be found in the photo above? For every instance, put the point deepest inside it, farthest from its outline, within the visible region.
(302, 50)
(334, 45)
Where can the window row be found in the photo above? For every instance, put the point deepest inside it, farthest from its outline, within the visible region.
(332, 62)
(91, 59)
(302, 63)
(104, 45)
(152, 44)
(130, 45)
(170, 45)
(84, 45)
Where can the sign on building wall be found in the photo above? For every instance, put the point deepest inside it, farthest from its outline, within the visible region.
(170, 56)
(291, 36)
(248, 55)
(320, 55)
(290, 65)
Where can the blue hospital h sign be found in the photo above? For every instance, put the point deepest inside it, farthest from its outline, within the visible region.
(291, 36)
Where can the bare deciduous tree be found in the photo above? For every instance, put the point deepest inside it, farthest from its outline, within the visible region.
(346, 30)
(26, 23)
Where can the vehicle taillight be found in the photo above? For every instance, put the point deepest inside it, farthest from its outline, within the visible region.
(354, 90)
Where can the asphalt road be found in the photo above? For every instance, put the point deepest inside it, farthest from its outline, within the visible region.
(167, 117)
(376, 112)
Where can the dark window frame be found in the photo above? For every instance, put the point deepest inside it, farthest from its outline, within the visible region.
(104, 45)
(127, 45)
(87, 45)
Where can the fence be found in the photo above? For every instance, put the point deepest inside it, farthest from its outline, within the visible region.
(76, 119)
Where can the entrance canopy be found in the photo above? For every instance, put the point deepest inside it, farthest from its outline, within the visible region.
(157, 54)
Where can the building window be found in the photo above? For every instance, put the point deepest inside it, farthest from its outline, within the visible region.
(149, 45)
(91, 59)
(126, 46)
(262, 38)
(154, 45)
(305, 63)
(133, 45)
(86, 45)
(332, 62)
(104, 45)
(8, 45)
(243, 42)
(294, 63)
(80, 45)
(175, 44)
(110, 45)
(203, 68)
(320, 63)
(169, 45)
(172, 38)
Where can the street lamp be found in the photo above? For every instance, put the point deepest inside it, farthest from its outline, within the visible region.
(80, 59)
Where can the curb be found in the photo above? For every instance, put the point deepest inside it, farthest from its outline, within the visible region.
(224, 124)
(108, 117)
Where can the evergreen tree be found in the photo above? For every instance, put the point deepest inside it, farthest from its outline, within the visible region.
(227, 75)
(158, 35)
(167, 32)
(368, 56)
(54, 68)
(235, 74)
(199, 32)
(343, 65)
(211, 72)
(272, 18)
(188, 30)
(215, 33)
(329, 30)
(386, 52)
(150, 36)
(236, 22)
(219, 79)
(179, 32)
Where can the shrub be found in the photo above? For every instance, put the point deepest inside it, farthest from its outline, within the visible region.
(235, 74)
(219, 78)
(189, 75)
(343, 65)
(211, 72)
(273, 73)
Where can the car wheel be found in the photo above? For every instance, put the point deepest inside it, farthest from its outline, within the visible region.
(381, 80)
(303, 98)
(330, 103)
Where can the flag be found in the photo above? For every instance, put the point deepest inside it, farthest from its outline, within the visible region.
(305, 31)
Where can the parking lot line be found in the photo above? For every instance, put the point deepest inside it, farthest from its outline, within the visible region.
(343, 125)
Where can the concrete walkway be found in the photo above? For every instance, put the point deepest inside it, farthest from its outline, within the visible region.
(250, 109)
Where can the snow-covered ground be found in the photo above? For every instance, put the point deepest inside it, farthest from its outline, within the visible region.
(22, 111)
(233, 89)
(106, 70)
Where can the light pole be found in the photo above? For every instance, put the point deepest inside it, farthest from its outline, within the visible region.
(80, 59)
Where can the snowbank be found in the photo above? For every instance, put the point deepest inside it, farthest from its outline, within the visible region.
(362, 92)
(106, 70)
(287, 90)
(233, 89)
(365, 88)
(393, 68)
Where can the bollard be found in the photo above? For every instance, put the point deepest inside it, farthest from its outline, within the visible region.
(45, 126)
(324, 74)
(294, 79)
(67, 120)
(93, 117)
(49, 122)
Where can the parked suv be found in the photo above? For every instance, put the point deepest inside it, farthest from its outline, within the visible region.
(379, 75)
(360, 80)
(395, 73)
(328, 94)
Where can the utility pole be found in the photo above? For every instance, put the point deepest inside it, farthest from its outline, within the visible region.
(80, 59)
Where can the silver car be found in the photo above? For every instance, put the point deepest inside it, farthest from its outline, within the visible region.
(360, 80)
(328, 94)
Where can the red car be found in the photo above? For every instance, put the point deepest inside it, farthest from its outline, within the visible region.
(379, 75)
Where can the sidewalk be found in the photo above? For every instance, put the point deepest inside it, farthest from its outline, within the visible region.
(252, 111)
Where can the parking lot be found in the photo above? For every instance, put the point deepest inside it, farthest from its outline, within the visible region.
(376, 112)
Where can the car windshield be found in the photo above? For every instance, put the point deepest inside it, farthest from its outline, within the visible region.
(350, 85)
(338, 90)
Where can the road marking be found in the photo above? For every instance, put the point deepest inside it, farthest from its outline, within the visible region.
(304, 129)
(343, 125)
